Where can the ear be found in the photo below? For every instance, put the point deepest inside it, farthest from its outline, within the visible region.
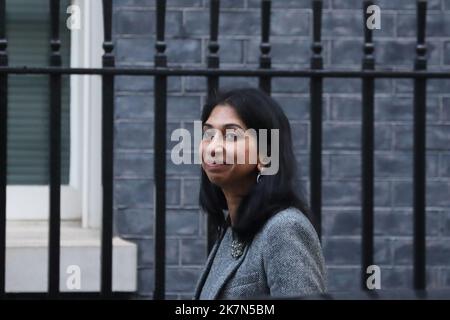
(260, 165)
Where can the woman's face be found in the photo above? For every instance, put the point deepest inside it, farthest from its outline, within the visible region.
(228, 150)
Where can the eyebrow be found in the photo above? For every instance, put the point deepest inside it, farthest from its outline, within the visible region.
(227, 125)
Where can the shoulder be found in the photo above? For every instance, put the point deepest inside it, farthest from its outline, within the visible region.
(287, 221)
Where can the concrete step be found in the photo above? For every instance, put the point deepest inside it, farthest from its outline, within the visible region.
(27, 258)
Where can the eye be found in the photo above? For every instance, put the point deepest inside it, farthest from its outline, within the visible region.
(208, 135)
(231, 136)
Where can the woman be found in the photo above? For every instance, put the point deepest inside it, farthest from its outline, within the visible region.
(266, 244)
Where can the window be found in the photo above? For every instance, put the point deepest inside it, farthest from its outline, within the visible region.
(28, 121)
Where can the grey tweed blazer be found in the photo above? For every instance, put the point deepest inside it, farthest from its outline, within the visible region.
(284, 259)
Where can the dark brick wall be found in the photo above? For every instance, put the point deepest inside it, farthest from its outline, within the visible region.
(187, 34)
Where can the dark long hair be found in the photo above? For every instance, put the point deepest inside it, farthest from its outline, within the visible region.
(273, 193)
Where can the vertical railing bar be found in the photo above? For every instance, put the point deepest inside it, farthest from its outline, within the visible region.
(3, 143)
(55, 154)
(213, 85)
(367, 146)
(420, 152)
(160, 92)
(265, 59)
(316, 86)
(107, 153)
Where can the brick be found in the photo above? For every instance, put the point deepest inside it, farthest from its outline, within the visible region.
(338, 23)
(151, 3)
(348, 136)
(283, 51)
(138, 193)
(196, 22)
(299, 133)
(229, 4)
(134, 135)
(402, 52)
(437, 137)
(182, 279)
(142, 22)
(401, 109)
(336, 85)
(237, 82)
(447, 53)
(446, 109)
(230, 51)
(183, 108)
(290, 23)
(191, 189)
(290, 85)
(382, 193)
(146, 252)
(144, 3)
(382, 251)
(291, 4)
(131, 193)
(134, 107)
(384, 4)
(177, 170)
(399, 222)
(145, 281)
(182, 223)
(400, 164)
(348, 108)
(172, 252)
(195, 84)
(135, 222)
(303, 166)
(343, 279)
(193, 251)
(396, 278)
(184, 51)
(133, 165)
(444, 165)
(236, 23)
(446, 4)
(295, 108)
(342, 222)
(340, 194)
(171, 127)
(346, 52)
(438, 25)
(173, 191)
(437, 193)
(345, 165)
(446, 223)
(184, 3)
(134, 51)
(342, 251)
(438, 251)
(144, 84)
(433, 86)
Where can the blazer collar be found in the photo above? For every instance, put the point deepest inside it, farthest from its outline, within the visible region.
(205, 271)
(224, 276)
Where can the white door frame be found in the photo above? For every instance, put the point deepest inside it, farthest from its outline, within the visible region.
(81, 198)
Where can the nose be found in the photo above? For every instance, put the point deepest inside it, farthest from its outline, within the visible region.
(216, 148)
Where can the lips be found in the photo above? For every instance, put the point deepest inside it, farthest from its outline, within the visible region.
(216, 166)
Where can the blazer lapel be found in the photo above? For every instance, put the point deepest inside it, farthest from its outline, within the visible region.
(205, 271)
(227, 273)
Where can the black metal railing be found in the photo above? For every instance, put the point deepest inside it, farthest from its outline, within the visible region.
(212, 72)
